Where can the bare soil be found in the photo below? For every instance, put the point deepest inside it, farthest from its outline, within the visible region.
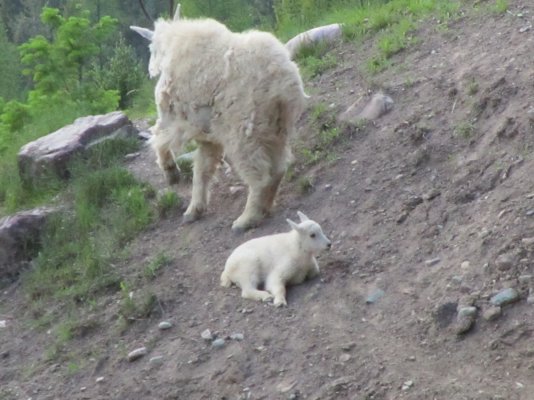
(419, 204)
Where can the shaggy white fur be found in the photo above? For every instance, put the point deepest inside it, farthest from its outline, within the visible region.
(236, 94)
(275, 261)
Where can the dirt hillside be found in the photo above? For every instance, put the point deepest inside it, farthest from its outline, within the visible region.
(430, 210)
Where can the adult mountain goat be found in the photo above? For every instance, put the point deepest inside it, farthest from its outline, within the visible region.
(235, 94)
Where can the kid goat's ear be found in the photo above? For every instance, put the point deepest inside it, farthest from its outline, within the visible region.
(302, 216)
(292, 224)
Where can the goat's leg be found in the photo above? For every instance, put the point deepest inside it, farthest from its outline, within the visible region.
(166, 162)
(164, 156)
(277, 288)
(206, 159)
(261, 194)
(255, 294)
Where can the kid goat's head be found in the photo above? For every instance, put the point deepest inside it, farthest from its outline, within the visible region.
(311, 235)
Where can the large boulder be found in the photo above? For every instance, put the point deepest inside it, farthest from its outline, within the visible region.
(20, 239)
(51, 154)
(327, 33)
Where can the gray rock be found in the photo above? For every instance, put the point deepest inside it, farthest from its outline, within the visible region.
(326, 33)
(144, 135)
(505, 261)
(206, 335)
(467, 311)
(100, 379)
(505, 296)
(218, 343)
(379, 105)
(51, 154)
(374, 296)
(20, 239)
(163, 325)
(492, 313)
(530, 299)
(464, 323)
(407, 385)
(155, 361)
(432, 261)
(137, 354)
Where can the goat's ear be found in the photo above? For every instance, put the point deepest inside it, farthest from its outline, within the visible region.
(146, 33)
(292, 224)
(302, 216)
(177, 13)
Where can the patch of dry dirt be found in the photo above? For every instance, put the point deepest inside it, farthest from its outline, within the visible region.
(445, 177)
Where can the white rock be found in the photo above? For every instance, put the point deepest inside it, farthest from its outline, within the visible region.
(164, 325)
(206, 335)
(137, 353)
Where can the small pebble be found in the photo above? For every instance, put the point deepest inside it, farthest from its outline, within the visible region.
(206, 335)
(465, 265)
(407, 385)
(432, 261)
(3, 323)
(492, 313)
(83, 389)
(218, 343)
(504, 262)
(344, 357)
(164, 325)
(156, 360)
(137, 353)
(464, 324)
(237, 336)
(100, 379)
(467, 311)
(374, 296)
(505, 296)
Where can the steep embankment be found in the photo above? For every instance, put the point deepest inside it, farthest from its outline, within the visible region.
(433, 204)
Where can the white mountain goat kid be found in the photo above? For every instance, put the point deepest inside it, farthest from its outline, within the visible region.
(237, 94)
(275, 261)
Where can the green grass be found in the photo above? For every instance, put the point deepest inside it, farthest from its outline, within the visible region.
(315, 59)
(500, 6)
(464, 129)
(472, 87)
(168, 203)
(390, 25)
(106, 207)
(156, 265)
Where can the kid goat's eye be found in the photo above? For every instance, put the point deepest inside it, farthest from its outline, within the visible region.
(312, 235)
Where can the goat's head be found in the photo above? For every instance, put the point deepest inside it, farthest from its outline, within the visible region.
(311, 235)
